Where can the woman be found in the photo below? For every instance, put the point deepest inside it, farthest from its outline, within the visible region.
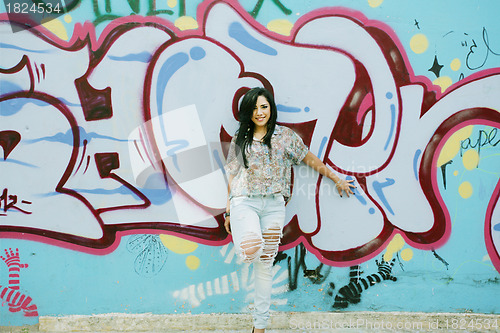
(258, 167)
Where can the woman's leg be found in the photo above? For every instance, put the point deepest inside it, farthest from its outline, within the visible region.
(263, 276)
(272, 220)
(256, 226)
(246, 229)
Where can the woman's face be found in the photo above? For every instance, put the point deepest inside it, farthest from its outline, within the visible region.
(261, 112)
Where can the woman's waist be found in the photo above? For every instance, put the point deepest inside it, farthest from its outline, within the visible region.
(262, 190)
(259, 195)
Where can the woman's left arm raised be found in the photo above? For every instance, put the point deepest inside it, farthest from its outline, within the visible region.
(316, 164)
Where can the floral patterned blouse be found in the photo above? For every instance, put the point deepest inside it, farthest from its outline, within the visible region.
(267, 172)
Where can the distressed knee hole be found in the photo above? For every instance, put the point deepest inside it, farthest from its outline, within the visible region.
(271, 238)
(251, 248)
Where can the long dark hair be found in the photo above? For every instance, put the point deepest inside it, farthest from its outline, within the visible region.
(245, 133)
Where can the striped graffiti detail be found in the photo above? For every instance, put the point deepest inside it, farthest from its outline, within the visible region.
(15, 299)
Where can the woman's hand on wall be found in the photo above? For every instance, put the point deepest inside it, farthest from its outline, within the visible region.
(343, 185)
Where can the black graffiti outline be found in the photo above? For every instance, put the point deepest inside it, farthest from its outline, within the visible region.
(474, 46)
(316, 276)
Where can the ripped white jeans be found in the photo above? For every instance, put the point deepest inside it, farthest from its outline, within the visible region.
(256, 227)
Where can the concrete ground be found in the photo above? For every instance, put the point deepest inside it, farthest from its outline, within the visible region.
(34, 329)
(281, 322)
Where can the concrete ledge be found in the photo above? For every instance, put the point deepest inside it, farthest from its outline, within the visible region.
(389, 321)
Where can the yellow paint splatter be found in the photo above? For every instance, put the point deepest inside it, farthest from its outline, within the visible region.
(470, 159)
(407, 254)
(452, 146)
(444, 82)
(419, 43)
(186, 23)
(68, 18)
(56, 27)
(394, 246)
(455, 64)
(282, 27)
(455, 173)
(375, 3)
(465, 190)
(193, 262)
(178, 245)
(171, 3)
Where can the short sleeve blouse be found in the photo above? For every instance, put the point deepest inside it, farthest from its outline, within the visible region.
(268, 172)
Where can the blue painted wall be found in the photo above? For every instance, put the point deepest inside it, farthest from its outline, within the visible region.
(114, 123)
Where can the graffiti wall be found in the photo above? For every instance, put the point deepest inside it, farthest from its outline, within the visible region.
(115, 119)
